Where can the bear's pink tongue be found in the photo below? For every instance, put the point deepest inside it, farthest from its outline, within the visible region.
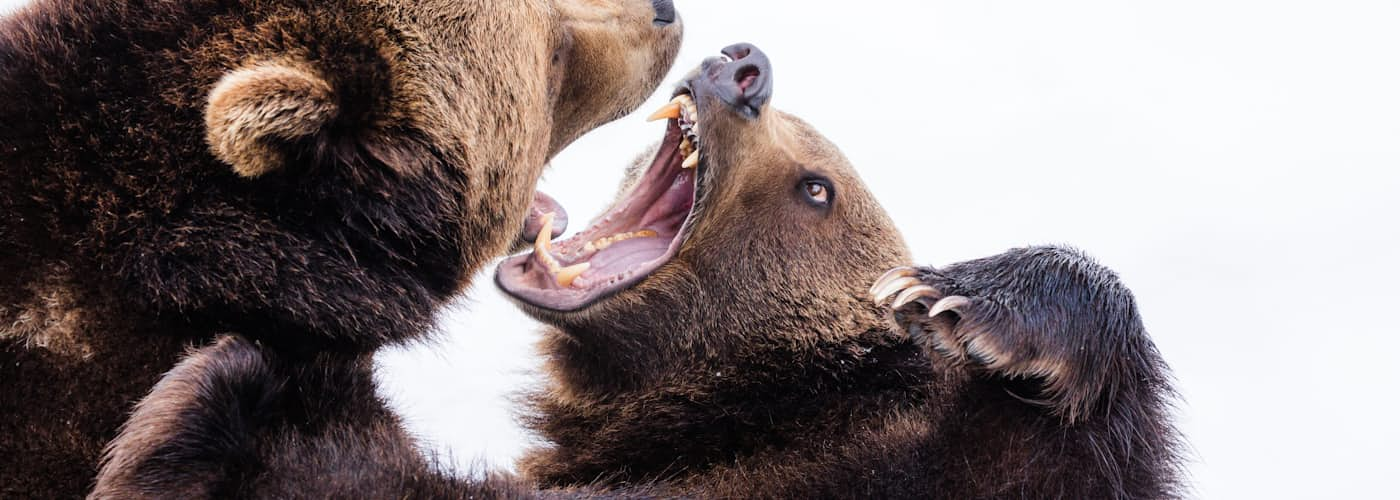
(534, 220)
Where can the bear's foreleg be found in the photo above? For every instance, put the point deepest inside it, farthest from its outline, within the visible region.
(1062, 393)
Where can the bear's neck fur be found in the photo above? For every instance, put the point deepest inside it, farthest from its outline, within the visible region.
(714, 411)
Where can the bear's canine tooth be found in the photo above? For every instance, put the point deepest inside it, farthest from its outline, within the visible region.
(692, 160)
(565, 277)
(543, 245)
(672, 110)
(669, 112)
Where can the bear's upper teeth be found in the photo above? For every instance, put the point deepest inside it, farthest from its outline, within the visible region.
(682, 109)
(689, 113)
(686, 147)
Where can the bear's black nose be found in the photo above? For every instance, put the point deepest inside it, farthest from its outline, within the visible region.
(743, 78)
(665, 12)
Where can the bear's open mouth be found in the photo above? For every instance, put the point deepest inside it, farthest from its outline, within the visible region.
(634, 238)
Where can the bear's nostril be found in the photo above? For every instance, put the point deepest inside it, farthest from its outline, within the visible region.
(740, 51)
(665, 12)
(745, 78)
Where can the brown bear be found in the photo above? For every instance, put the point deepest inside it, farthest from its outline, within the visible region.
(715, 334)
(729, 342)
(319, 176)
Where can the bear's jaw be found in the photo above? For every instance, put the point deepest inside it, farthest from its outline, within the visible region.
(634, 238)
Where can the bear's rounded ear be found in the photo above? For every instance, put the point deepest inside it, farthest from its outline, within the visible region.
(253, 113)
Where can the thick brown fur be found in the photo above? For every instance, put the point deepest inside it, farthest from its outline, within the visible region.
(317, 175)
(756, 364)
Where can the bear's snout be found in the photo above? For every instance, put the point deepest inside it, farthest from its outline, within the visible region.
(665, 12)
(743, 79)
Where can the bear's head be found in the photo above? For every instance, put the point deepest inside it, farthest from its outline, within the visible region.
(611, 56)
(579, 64)
(368, 156)
(746, 228)
(495, 89)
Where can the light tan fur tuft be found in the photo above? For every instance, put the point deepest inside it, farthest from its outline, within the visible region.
(251, 110)
(50, 320)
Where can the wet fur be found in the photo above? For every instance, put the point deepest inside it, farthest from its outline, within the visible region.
(319, 176)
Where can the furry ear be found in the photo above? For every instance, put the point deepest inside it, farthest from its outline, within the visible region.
(254, 112)
(190, 438)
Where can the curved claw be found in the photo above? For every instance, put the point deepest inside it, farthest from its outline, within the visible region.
(893, 287)
(913, 294)
(891, 275)
(952, 303)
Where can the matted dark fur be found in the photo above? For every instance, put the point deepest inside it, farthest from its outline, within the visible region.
(757, 364)
(317, 175)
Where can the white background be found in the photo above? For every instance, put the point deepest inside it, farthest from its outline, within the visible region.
(1236, 161)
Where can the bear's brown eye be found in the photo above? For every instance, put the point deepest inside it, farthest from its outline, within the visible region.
(818, 192)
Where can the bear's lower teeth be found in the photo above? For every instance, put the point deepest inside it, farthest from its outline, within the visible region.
(565, 276)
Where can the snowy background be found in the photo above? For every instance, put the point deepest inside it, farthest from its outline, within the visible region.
(1237, 161)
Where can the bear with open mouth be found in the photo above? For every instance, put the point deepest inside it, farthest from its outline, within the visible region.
(716, 334)
(716, 331)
